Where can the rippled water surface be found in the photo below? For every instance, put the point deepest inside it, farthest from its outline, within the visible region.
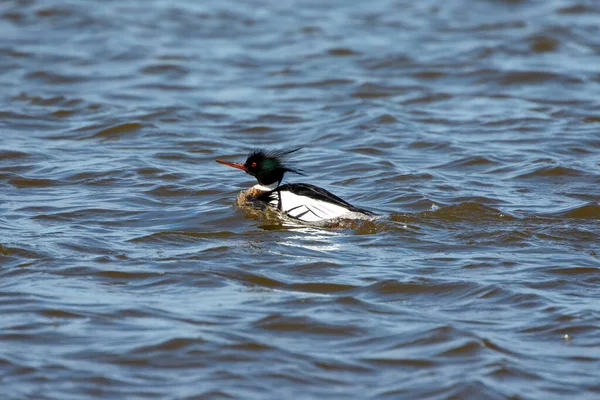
(471, 127)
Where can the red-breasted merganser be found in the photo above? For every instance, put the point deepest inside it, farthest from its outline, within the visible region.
(301, 201)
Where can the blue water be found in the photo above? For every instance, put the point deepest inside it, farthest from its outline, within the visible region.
(128, 271)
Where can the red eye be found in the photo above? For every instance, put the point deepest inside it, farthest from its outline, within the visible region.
(253, 165)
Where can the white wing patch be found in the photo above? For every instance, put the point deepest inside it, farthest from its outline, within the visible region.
(306, 209)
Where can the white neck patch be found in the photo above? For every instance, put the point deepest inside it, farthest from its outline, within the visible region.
(266, 188)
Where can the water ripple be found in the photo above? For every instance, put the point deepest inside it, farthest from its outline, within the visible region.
(129, 270)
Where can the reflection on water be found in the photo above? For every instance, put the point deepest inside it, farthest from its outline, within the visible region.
(128, 270)
(314, 239)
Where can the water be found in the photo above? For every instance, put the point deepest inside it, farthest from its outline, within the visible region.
(471, 127)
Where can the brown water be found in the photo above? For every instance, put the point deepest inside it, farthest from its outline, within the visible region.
(472, 127)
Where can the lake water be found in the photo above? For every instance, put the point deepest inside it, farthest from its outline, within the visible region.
(471, 127)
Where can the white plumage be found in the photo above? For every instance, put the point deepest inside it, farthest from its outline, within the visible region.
(305, 208)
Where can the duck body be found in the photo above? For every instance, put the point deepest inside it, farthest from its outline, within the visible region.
(311, 203)
(300, 201)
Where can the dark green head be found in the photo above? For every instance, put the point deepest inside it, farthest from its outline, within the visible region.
(267, 166)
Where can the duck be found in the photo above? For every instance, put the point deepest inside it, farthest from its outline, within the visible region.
(300, 201)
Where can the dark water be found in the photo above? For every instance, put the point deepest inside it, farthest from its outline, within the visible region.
(472, 127)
